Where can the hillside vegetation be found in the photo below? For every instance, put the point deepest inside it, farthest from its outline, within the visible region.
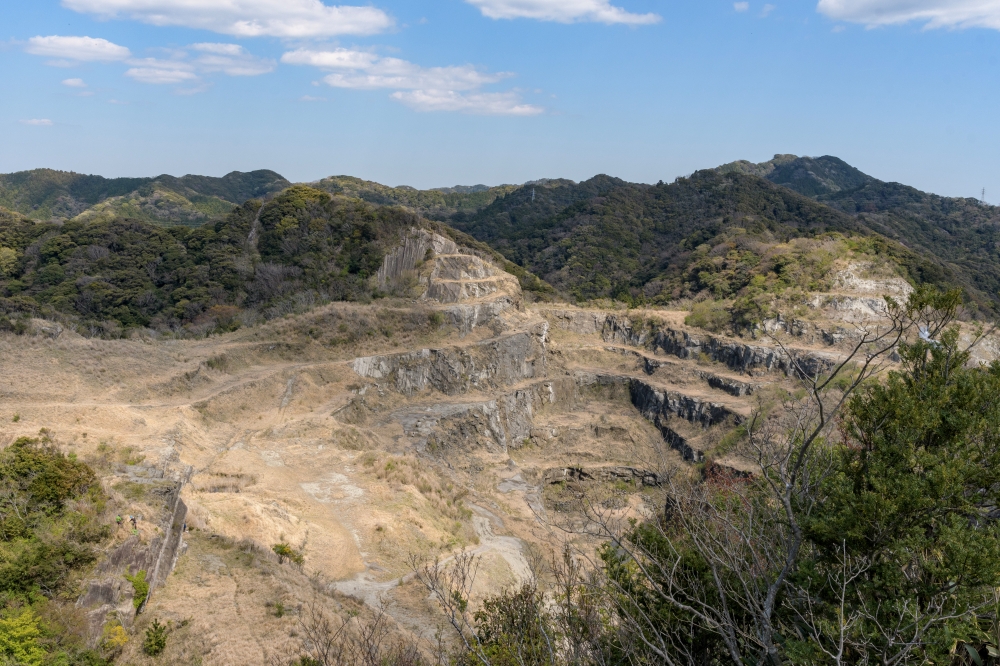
(437, 204)
(52, 524)
(712, 234)
(300, 249)
(962, 233)
(45, 194)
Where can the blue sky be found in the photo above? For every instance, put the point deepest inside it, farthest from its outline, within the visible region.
(497, 91)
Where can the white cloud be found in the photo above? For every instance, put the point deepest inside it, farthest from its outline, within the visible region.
(74, 83)
(335, 59)
(231, 59)
(161, 72)
(453, 88)
(79, 49)
(245, 18)
(360, 69)
(38, 122)
(493, 104)
(933, 13)
(767, 10)
(741, 6)
(563, 11)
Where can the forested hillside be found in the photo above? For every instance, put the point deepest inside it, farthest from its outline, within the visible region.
(301, 248)
(725, 234)
(437, 204)
(747, 234)
(44, 194)
(963, 233)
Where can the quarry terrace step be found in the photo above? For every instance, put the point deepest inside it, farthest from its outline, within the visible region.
(502, 423)
(730, 385)
(492, 364)
(660, 405)
(740, 356)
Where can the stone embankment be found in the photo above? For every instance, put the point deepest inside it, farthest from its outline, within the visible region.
(733, 387)
(634, 475)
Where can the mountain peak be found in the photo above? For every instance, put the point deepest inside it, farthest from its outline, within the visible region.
(811, 176)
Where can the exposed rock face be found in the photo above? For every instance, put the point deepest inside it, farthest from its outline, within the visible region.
(476, 291)
(577, 321)
(110, 592)
(745, 358)
(468, 317)
(411, 252)
(659, 407)
(651, 402)
(500, 362)
(733, 387)
(643, 477)
(463, 277)
(498, 425)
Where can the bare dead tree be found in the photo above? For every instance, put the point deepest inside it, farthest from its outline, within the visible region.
(451, 586)
(327, 640)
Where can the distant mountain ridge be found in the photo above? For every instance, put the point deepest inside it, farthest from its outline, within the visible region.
(740, 232)
(721, 231)
(438, 204)
(46, 194)
(961, 232)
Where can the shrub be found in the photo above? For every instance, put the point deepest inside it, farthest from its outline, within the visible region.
(709, 315)
(156, 639)
(115, 638)
(286, 552)
(141, 587)
(19, 639)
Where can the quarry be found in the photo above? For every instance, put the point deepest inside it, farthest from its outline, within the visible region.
(370, 438)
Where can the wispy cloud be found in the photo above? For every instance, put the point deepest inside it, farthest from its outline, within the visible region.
(74, 83)
(161, 72)
(77, 49)
(741, 6)
(231, 59)
(490, 104)
(562, 11)
(38, 122)
(766, 11)
(932, 13)
(245, 18)
(454, 88)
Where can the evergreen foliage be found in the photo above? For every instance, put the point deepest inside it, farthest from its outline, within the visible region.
(436, 204)
(45, 194)
(156, 639)
(140, 587)
(50, 531)
(301, 248)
